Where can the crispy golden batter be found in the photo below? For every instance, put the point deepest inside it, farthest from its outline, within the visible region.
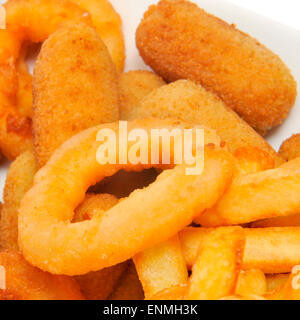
(181, 41)
(290, 148)
(135, 86)
(18, 181)
(188, 101)
(75, 87)
(48, 240)
(25, 282)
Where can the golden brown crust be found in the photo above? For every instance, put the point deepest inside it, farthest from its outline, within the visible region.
(87, 96)
(188, 101)
(179, 40)
(135, 86)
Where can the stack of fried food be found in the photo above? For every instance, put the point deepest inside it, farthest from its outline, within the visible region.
(73, 228)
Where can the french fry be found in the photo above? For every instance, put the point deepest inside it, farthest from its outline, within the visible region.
(272, 250)
(161, 267)
(257, 196)
(251, 282)
(217, 265)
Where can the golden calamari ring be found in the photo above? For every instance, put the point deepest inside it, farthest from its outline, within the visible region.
(50, 241)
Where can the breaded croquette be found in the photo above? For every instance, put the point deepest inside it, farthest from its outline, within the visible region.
(188, 101)
(75, 86)
(179, 40)
(135, 86)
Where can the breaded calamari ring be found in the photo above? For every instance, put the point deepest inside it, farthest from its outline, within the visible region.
(25, 282)
(15, 129)
(188, 101)
(181, 41)
(290, 148)
(49, 240)
(135, 86)
(87, 96)
(24, 92)
(108, 24)
(43, 17)
(18, 181)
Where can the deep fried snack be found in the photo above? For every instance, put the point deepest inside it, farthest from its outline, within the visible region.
(272, 250)
(135, 86)
(60, 186)
(15, 129)
(43, 17)
(98, 285)
(251, 282)
(187, 101)
(108, 24)
(24, 92)
(218, 264)
(257, 196)
(89, 96)
(129, 286)
(290, 148)
(25, 282)
(179, 40)
(18, 181)
(94, 205)
(161, 267)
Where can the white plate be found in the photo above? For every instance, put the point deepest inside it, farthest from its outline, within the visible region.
(281, 39)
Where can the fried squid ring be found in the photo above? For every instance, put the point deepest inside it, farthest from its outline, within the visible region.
(15, 129)
(43, 17)
(50, 241)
